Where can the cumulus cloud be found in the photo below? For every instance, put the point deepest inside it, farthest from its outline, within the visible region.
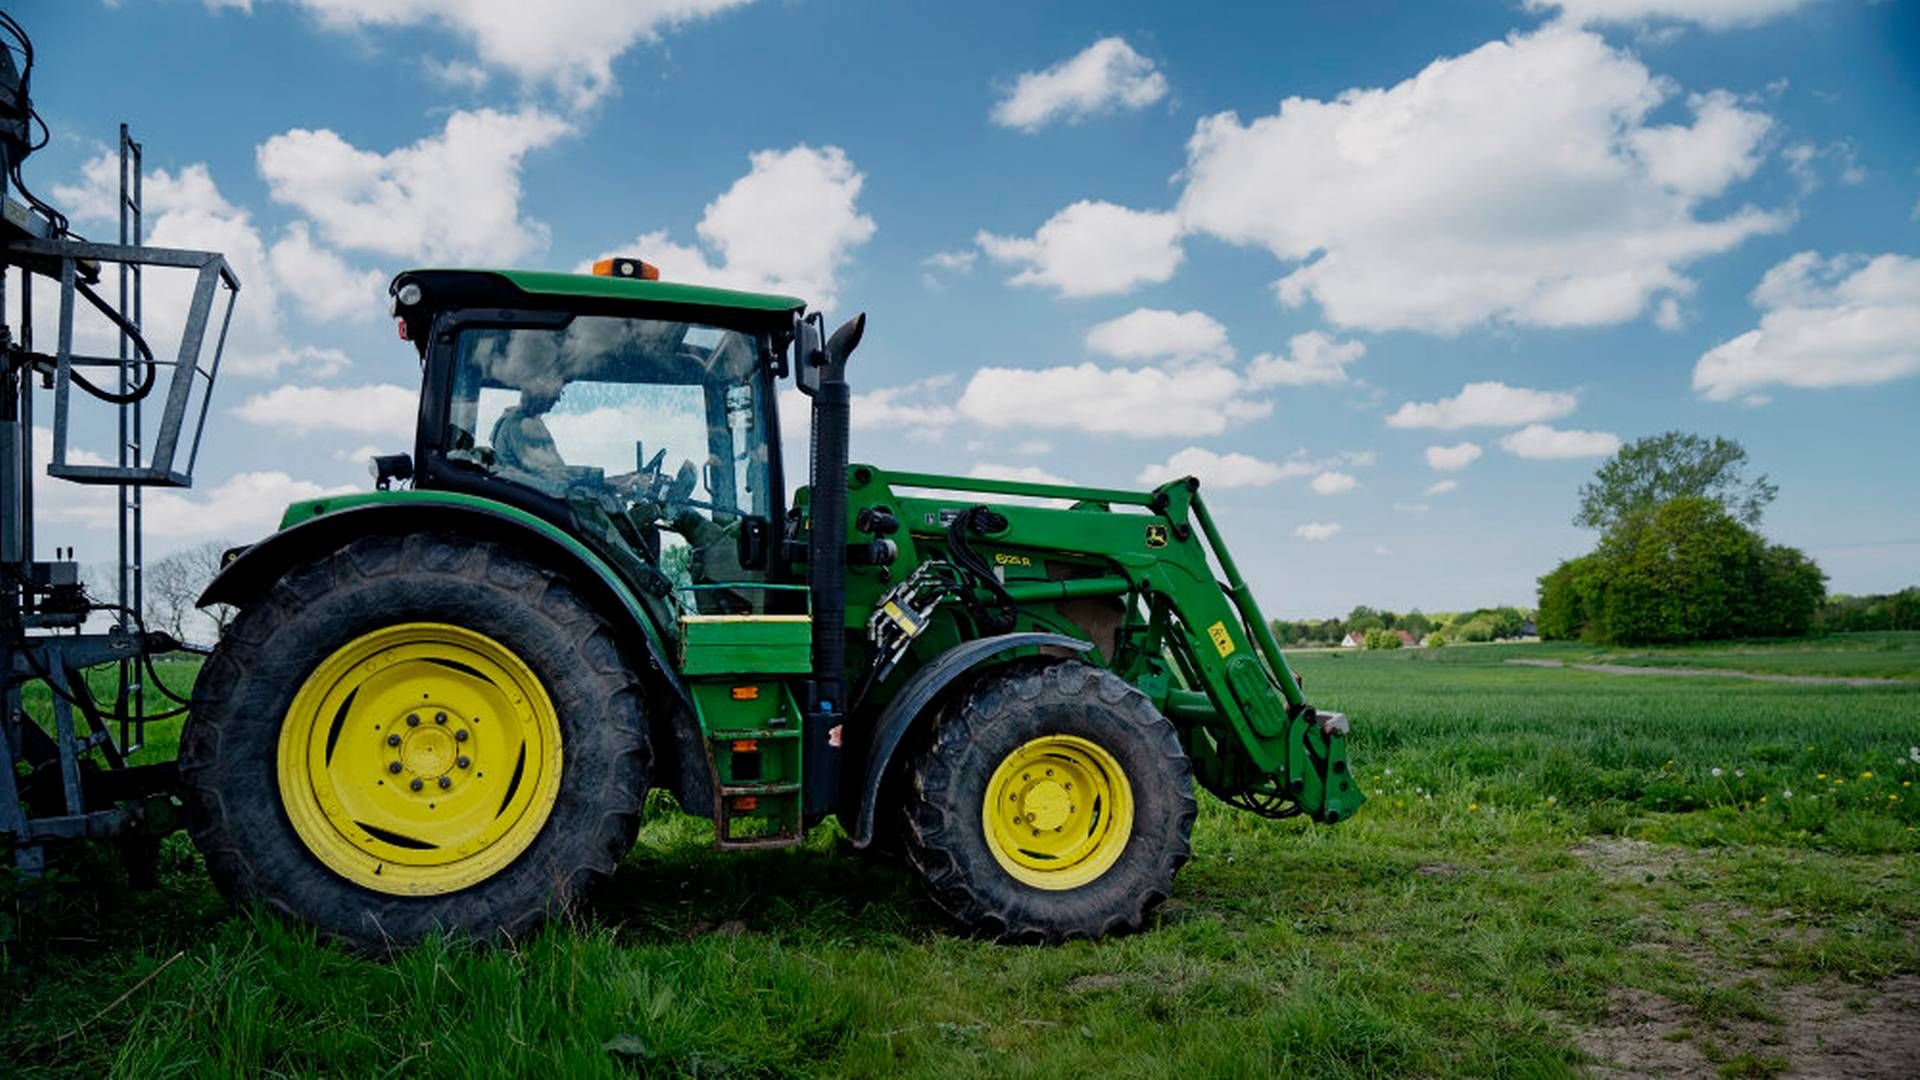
(1519, 183)
(1092, 249)
(1221, 470)
(323, 286)
(789, 225)
(450, 198)
(1712, 14)
(187, 210)
(1442, 487)
(1333, 483)
(1542, 441)
(1317, 530)
(912, 409)
(1106, 76)
(367, 410)
(1197, 400)
(245, 504)
(1452, 458)
(568, 48)
(1155, 334)
(1312, 358)
(1848, 320)
(1485, 404)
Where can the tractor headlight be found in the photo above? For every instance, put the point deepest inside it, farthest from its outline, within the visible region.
(409, 294)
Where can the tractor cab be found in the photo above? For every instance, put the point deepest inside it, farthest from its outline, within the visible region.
(635, 414)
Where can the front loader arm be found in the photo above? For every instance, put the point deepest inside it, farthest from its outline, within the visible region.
(1254, 738)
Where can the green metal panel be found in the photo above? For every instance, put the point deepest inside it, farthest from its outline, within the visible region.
(597, 287)
(746, 644)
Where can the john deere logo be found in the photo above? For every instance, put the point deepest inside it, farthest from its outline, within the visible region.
(1156, 536)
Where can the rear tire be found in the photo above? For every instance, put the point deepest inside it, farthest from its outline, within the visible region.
(523, 647)
(1099, 857)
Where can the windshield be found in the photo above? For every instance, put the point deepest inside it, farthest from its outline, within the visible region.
(653, 432)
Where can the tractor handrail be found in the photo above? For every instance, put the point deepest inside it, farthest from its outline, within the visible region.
(938, 481)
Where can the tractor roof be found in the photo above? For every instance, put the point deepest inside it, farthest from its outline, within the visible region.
(497, 287)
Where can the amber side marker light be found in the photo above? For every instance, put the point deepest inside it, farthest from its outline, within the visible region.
(745, 693)
(627, 268)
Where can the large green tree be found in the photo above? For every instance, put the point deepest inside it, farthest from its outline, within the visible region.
(1650, 471)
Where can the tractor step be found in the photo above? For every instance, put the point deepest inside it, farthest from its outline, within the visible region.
(759, 802)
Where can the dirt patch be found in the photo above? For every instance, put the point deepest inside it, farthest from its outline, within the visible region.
(1827, 1031)
(1087, 984)
(1437, 869)
(1834, 1030)
(1718, 673)
(1621, 858)
(1644, 1034)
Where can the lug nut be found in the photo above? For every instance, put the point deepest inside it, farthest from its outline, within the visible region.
(393, 740)
(416, 785)
(413, 720)
(439, 718)
(463, 761)
(460, 735)
(393, 766)
(446, 782)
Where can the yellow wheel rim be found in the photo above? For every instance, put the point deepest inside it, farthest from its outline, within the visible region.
(1058, 812)
(419, 759)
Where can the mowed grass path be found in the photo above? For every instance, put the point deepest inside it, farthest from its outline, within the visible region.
(1550, 874)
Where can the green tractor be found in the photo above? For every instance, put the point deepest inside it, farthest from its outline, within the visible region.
(442, 702)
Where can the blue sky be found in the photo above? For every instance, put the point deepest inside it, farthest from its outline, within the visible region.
(1332, 258)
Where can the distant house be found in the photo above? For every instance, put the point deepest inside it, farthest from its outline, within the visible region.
(1406, 638)
(1354, 640)
(1528, 629)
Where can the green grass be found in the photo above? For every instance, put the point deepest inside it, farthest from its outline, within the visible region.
(1539, 842)
(1890, 655)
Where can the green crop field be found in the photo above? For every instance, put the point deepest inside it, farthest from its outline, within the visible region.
(1558, 871)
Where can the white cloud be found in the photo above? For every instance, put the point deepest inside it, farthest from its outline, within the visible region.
(1106, 76)
(449, 198)
(1033, 447)
(1485, 404)
(1841, 321)
(1333, 483)
(1541, 441)
(1092, 249)
(566, 47)
(1220, 470)
(1518, 183)
(1025, 474)
(1712, 14)
(1442, 487)
(1145, 402)
(956, 263)
(1155, 334)
(1452, 458)
(187, 210)
(1805, 162)
(907, 409)
(245, 504)
(360, 454)
(367, 410)
(322, 284)
(1313, 358)
(1411, 508)
(789, 226)
(1317, 530)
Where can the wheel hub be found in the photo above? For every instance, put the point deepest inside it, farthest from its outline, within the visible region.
(1058, 812)
(420, 759)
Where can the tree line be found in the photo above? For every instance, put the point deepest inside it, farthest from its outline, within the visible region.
(1480, 624)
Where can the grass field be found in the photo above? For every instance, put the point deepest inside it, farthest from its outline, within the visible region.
(1557, 870)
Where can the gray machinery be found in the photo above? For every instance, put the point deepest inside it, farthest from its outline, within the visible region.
(66, 774)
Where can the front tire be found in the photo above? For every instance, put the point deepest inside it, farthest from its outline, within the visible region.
(415, 734)
(1052, 802)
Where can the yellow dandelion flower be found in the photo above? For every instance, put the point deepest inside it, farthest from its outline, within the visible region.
(1866, 776)
(1473, 806)
(1763, 798)
(1838, 781)
(1820, 776)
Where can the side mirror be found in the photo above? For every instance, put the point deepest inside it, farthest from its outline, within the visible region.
(808, 352)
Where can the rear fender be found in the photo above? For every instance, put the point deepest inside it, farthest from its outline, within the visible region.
(253, 571)
(901, 714)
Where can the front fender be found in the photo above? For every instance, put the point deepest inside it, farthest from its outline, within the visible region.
(335, 523)
(920, 689)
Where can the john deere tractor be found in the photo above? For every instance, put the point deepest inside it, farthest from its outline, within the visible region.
(442, 702)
